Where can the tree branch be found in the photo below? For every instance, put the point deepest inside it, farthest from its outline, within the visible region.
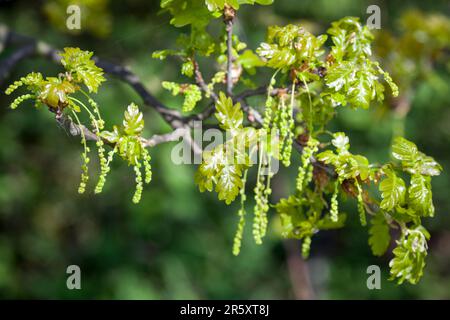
(33, 47)
(169, 137)
(173, 117)
(74, 129)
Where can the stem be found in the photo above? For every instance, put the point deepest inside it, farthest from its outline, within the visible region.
(85, 169)
(91, 115)
(229, 30)
(201, 82)
(81, 131)
(97, 111)
(310, 124)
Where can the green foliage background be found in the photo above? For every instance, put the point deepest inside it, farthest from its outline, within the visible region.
(176, 243)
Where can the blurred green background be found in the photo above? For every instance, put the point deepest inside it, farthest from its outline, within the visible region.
(176, 244)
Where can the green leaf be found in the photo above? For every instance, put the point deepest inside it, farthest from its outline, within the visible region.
(409, 256)
(216, 169)
(327, 223)
(130, 149)
(229, 183)
(249, 61)
(133, 122)
(111, 136)
(428, 166)
(420, 195)
(82, 67)
(380, 237)
(393, 190)
(198, 41)
(414, 161)
(187, 12)
(54, 92)
(299, 219)
(405, 150)
(327, 156)
(230, 115)
(217, 5)
(356, 80)
(351, 40)
(291, 47)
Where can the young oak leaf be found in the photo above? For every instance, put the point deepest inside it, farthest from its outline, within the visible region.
(428, 166)
(133, 122)
(379, 238)
(405, 151)
(82, 67)
(229, 183)
(55, 92)
(228, 114)
(420, 196)
(392, 189)
(409, 256)
(216, 5)
(215, 170)
(414, 161)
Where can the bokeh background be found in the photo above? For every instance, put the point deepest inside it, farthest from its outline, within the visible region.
(176, 244)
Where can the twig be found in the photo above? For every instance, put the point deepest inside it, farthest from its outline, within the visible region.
(169, 137)
(74, 129)
(228, 16)
(201, 82)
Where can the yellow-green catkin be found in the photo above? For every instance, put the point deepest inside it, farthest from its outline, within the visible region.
(104, 167)
(14, 86)
(263, 216)
(262, 193)
(308, 175)
(21, 99)
(284, 115)
(268, 113)
(267, 192)
(261, 199)
(139, 185)
(260, 207)
(289, 127)
(306, 246)
(147, 167)
(334, 203)
(84, 168)
(100, 122)
(237, 242)
(307, 153)
(105, 170)
(361, 209)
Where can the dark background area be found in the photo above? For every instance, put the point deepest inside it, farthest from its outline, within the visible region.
(176, 244)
